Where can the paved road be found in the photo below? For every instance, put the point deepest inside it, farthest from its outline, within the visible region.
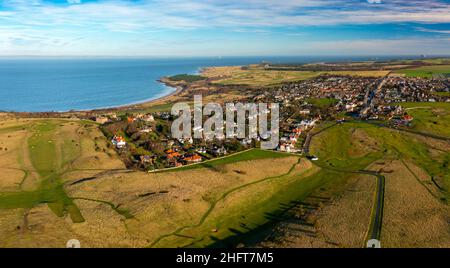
(378, 205)
(377, 212)
(370, 95)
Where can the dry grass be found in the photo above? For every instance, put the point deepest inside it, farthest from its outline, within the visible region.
(234, 75)
(412, 216)
(361, 143)
(346, 222)
(360, 73)
(162, 202)
(75, 150)
(337, 220)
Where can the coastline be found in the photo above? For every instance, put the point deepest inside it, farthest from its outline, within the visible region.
(177, 88)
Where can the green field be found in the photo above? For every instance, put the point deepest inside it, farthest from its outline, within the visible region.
(322, 102)
(430, 117)
(47, 160)
(339, 147)
(442, 93)
(187, 78)
(425, 71)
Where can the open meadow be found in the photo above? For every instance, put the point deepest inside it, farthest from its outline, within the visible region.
(425, 71)
(416, 172)
(258, 76)
(61, 180)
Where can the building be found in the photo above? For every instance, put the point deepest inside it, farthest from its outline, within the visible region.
(102, 119)
(193, 159)
(119, 141)
(148, 118)
(146, 159)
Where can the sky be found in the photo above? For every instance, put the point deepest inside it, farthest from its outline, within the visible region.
(224, 28)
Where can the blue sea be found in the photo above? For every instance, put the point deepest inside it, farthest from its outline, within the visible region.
(62, 84)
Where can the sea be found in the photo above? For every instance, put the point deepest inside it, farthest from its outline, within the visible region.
(44, 84)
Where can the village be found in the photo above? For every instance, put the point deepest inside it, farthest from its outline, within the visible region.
(143, 140)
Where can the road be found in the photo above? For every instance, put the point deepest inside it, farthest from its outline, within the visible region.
(369, 97)
(376, 221)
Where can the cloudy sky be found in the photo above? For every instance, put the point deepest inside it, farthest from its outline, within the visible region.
(224, 28)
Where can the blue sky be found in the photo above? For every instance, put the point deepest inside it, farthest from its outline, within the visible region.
(224, 28)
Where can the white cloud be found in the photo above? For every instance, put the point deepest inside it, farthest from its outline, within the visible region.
(43, 23)
(120, 14)
(426, 30)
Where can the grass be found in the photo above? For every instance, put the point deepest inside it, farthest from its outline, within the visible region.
(248, 206)
(336, 148)
(425, 71)
(442, 94)
(253, 154)
(218, 203)
(187, 78)
(413, 217)
(360, 73)
(257, 76)
(430, 117)
(51, 145)
(322, 102)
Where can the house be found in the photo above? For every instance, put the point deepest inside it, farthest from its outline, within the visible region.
(118, 141)
(145, 130)
(193, 159)
(102, 119)
(408, 118)
(148, 118)
(297, 131)
(219, 151)
(246, 141)
(173, 155)
(201, 150)
(146, 159)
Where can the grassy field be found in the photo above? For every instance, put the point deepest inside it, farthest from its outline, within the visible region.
(425, 71)
(46, 152)
(61, 180)
(360, 73)
(258, 76)
(430, 117)
(186, 78)
(415, 167)
(59, 186)
(322, 102)
(334, 216)
(413, 217)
